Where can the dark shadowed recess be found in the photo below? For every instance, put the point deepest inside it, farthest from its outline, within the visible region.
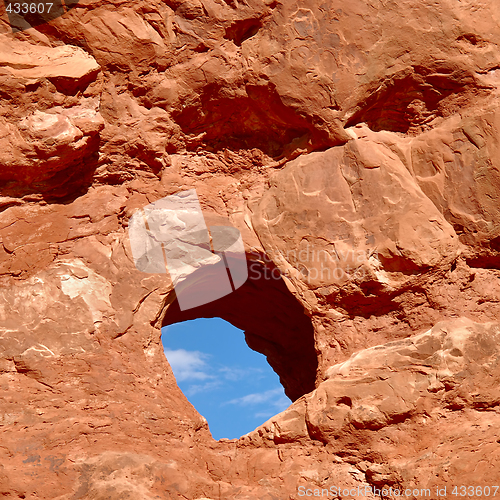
(242, 30)
(414, 97)
(487, 256)
(257, 120)
(62, 187)
(274, 323)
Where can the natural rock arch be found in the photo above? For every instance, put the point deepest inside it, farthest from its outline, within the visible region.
(274, 322)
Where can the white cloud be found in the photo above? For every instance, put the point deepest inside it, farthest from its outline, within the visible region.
(281, 404)
(193, 366)
(273, 397)
(265, 414)
(188, 365)
(203, 388)
(234, 374)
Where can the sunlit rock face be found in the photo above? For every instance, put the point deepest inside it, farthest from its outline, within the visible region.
(354, 148)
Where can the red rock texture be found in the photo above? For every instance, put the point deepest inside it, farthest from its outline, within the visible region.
(355, 147)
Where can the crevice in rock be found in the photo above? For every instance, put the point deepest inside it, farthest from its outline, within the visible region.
(242, 30)
(274, 323)
(485, 405)
(487, 258)
(371, 300)
(472, 39)
(484, 262)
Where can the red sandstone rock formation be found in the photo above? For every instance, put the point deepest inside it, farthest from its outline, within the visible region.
(365, 131)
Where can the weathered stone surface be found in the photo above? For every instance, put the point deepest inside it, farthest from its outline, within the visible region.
(358, 217)
(28, 63)
(353, 145)
(406, 393)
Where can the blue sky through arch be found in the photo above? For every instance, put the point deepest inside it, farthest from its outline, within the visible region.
(233, 387)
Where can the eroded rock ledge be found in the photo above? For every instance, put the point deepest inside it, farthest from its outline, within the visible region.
(355, 147)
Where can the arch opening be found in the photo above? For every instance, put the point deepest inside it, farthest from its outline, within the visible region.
(232, 386)
(273, 321)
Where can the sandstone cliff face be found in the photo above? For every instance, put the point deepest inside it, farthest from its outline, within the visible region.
(355, 147)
